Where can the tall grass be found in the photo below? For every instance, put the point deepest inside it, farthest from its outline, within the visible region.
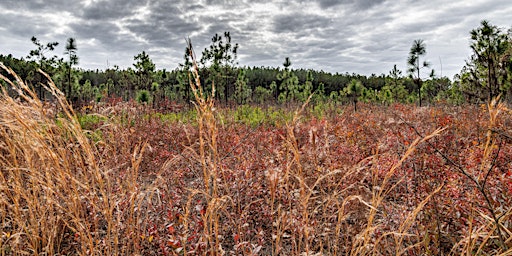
(208, 156)
(56, 196)
(64, 193)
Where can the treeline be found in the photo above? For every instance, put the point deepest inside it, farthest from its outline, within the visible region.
(488, 73)
(239, 85)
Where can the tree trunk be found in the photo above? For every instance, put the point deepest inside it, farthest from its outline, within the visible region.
(419, 81)
(489, 78)
(68, 96)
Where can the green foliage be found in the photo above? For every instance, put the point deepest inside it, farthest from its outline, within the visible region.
(277, 116)
(322, 109)
(319, 94)
(261, 94)
(282, 98)
(220, 57)
(71, 49)
(453, 94)
(96, 135)
(274, 89)
(182, 88)
(252, 116)
(433, 89)
(188, 116)
(292, 87)
(39, 54)
(255, 116)
(411, 98)
(418, 49)
(354, 91)
(38, 59)
(155, 86)
(369, 95)
(143, 97)
(144, 68)
(269, 85)
(307, 88)
(488, 72)
(242, 89)
(386, 96)
(90, 121)
(335, 96)
(394, 84)
(289, 89)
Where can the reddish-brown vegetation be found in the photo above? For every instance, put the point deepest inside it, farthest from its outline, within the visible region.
(386, 180)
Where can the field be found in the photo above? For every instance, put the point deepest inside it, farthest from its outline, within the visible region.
(120, 178)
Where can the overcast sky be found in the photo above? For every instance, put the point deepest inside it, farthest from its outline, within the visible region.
(355, 36)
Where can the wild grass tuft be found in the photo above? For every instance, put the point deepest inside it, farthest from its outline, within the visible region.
(57, 197)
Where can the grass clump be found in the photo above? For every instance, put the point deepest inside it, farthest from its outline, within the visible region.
(57, 197)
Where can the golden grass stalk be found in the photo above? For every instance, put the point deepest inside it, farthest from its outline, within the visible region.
(48, 166)
(209, 158)
(55, 196)
(364, 244)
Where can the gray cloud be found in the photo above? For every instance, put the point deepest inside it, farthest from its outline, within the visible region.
(39, 6)
(329, 3)
(361, 36)
(109, 9)
(10, 23)
(355, 4)
(366, 4)
(299, 24)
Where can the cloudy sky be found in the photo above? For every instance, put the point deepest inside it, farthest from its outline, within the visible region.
(355, 36)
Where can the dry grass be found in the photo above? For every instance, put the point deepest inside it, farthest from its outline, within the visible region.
(57, 197)
(63, 193)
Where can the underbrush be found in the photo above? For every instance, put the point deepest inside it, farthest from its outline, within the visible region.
(386, 180)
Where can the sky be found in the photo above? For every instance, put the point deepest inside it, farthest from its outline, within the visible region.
(345, 36)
